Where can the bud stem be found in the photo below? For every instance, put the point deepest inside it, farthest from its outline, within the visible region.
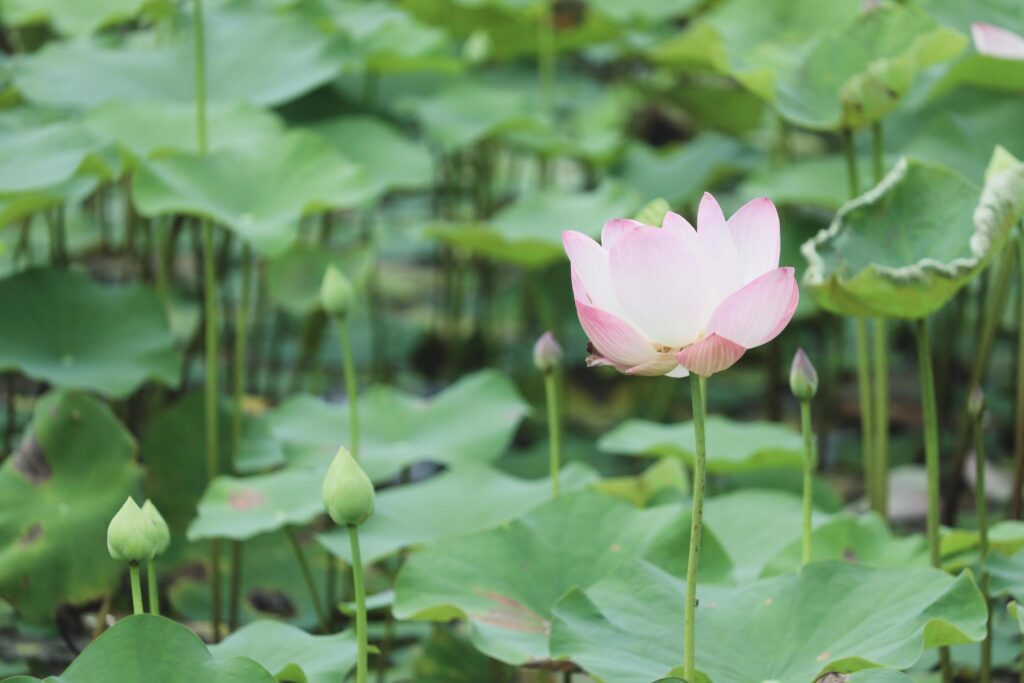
(151, 586)
(698, 396)
(554, 428)
(360, 592)
(810, 462)
(982, 503)
(133, 570)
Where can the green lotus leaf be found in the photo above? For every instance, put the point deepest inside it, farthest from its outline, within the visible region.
(262, 58)
(649, 12)
(504, 582)
(239, 508)
(529, 232)
(73, 17)
(823, 66)
(71, 473)
(391, 160)
(811, 181)
(838, 617)
(290, 653)
(37, 152)
(661, 482)
(458, 502)
(79, 334)
(732, 446)
(472, 421)
(904, 248)
(145, 129)
(145, 647)
(259, 192)
(294, 277)
(389, 40)
(879, 676)
(445, 657)
(26, 204)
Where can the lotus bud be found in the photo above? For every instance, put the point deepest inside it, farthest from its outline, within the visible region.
(348, 493)
(130, 534)
(336, 292)
(976, 402)
(547, 354)
(803, 378)
(161, 532)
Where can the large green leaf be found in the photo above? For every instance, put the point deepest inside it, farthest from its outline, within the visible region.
(261, 57)
(150, 648)
(39, 152)
(732, 446)
(259, 192)
(76, 333)
(391, 160)
(505, 581)
(60, 489)
(472, 421)
(829, 616)
(239, 508)
(388, 40)
(290, 653)
(72, 17)
(529, 231)
(458, 502)
(903, 249)
(294, 277)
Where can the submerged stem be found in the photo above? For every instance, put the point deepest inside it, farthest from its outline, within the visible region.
(133, 571)
(810, 461)
(697, 396)
(360, 592)
(554, 429)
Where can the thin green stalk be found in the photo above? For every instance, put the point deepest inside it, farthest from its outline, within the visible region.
(153, 588)
(697, 396)
(546, 56)
(810, 461)
(852, 175)
(880, 424)
(360, 593)
(133, 571)
(982, 506)
(877, 151)
(351, 386)
(1018, 419)
(331, 589)
(308, 576)
(554, 428)
(931, 436)
(199, 47)
(235, 596)
(866, 412)
(241, 339)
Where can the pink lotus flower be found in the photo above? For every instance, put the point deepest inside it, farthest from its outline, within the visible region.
(674, 300)
(1000, 43)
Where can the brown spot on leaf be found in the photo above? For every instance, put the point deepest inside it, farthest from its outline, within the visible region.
(30, 462)
(272, 601)
(833, 677)
(511, 614)
(769, 601)
(615, 547)
(31, 535)
(246, 499)
(823, 657)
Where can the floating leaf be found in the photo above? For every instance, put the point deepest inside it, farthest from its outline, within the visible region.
(262, 58)
(732, 446)
(839, 617)
(239, 508)
(150, 648)
(904, 248)
(259, 192)
(290, 653)
(472, 421)
(76, 333)
(458, 502)
(529, 232)
(72, 472)
(505, 581)
(38, 152)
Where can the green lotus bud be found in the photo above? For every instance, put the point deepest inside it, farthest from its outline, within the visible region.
(336, 292)
(348, 493)
(547, 354)
(130, 535)
(161, 532)
(976, 402)
(803, 378)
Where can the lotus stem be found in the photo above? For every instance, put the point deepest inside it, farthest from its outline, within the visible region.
(698, 398)
(554, 429)
(982, 507)
(133, 571)
(314, 594)
(880, 424)
(866, 412)
(546, 56)
(235, 596)
(360, 592)
(810, 461)
(153, 588)
(852, 175)
(877, 151)
(351, 386)
(1018, 420)
(241, 348)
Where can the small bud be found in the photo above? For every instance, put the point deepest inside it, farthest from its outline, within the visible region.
(336, 292)
(130, 535)
(161, 532)
(803, 378)
(547, 354)
(348, 493)
(976, 402)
